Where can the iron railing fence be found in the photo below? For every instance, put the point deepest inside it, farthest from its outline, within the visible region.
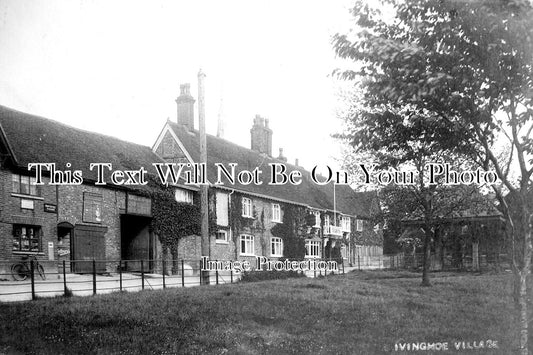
(91, 277)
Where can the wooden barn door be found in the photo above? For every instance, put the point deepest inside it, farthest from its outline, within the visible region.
(88, 244)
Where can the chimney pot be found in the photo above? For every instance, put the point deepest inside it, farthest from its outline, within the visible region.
(261, 136)
(185, 103)
(281, 157)
(296, 162)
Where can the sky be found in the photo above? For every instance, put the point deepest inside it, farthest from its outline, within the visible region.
(115, 67)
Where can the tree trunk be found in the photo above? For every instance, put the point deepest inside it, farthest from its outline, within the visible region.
(427, 257)
(175, 261)
(439, 252)
(165, 259)
(523, 277)
(522, 301)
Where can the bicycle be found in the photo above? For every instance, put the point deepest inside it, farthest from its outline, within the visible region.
(22, 269)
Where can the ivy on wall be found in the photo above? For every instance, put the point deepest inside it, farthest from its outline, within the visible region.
(292, 231)
(172, 220)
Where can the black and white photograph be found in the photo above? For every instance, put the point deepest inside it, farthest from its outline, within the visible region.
(266, 177)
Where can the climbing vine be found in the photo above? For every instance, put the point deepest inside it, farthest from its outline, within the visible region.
(173, 220)
(291, 231)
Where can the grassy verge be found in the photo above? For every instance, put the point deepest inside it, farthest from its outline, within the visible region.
(357, 313)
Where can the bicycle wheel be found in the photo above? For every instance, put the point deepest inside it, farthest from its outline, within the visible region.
(40, 269)
(19, 271)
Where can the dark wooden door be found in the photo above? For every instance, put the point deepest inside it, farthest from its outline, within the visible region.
(88, 245)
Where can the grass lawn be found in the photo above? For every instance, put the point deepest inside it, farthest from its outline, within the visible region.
(356, 313)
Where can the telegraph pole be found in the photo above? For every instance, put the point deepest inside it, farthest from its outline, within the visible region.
(204, 208)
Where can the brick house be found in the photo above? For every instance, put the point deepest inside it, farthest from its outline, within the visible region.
(247, 213)
(86, 221)
(71, 221)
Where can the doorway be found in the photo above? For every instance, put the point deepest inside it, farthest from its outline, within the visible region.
(136, 243)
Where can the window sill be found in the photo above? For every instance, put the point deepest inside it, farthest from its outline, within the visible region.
(276, 256)
(241, 254)
(29, 197)
(19, 252)
(249, 217)
(222, 242)
(277, 221)
(312, 257)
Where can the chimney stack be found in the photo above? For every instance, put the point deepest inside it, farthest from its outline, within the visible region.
(281, 157)
(296, 162)
(185, 104)
(261, 136)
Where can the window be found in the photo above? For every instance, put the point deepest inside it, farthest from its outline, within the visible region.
(317, 218)
(276, 247)
(246, 207)
(276, 213)
(359, 225)
(26, 238)
(247, 245)
(222, 208)
(25, 185)
(326, 220)
(221, 237)
(312, 249)
(92, 207)
(182, 195)
(345, 224)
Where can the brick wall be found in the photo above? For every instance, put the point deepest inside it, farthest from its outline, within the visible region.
(11, 213)
(70, 209)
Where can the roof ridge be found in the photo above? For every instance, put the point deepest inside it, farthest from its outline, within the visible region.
(262, 155)
(72, 127)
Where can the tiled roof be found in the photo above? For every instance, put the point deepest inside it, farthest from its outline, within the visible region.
(308, 193)
(35, 139)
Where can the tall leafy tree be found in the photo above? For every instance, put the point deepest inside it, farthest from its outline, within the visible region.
(463, 69)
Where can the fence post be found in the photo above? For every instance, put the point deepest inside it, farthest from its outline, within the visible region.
(94, 277)
(142, 274)
(32, 278)
(343, 267)
(216, 272)
(358, 262)
(200, 272)
(164, 272)
(182, 273)
(231, 275)
(120, 272)
(65, 278)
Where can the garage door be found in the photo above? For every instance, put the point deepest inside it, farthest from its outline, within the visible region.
(88, 245)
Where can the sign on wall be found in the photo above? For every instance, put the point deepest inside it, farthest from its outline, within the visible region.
(92, 207)
(139, 205)
(26, 204)
(50, 208)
